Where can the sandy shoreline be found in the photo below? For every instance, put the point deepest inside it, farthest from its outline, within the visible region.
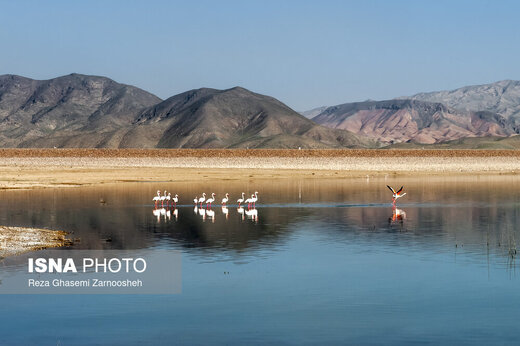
(36, 169)
(17, 240)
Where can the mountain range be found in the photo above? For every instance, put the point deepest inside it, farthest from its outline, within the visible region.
(91, 111)
(501, 97)
(435, 117)
(409, 120)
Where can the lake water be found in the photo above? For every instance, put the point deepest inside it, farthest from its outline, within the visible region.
(317, 262)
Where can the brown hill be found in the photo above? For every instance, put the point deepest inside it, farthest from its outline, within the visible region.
(232, 118)
(69, 111)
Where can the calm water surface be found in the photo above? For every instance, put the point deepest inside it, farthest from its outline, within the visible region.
(319, 261)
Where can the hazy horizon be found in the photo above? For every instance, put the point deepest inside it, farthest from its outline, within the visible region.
(306, 53)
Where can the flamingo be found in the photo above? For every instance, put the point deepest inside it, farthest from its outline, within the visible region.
(157, 198)
(210, 200)
(175, 199)
(241, 200)
(254, 198)
(249, 201)
(202, 199)
(397, 194)
(225, 199)
(195, 201)
(163, 198)
(168, 199)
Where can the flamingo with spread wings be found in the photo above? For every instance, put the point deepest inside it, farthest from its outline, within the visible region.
(397, 194)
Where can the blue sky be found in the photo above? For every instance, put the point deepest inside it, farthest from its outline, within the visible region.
(305, 53)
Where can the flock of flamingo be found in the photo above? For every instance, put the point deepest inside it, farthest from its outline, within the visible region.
(251, 212)
(165, 198)
(206, 212)
(251, 202)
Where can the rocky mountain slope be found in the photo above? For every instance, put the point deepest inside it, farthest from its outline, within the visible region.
(89, 111)
(501, 97)
(232, 118)
(55, 112)
(394, 121)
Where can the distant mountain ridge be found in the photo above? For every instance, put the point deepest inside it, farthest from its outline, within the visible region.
(90, 111)
(313, 112)
(403, 120)
(434, 117)
(501, 97)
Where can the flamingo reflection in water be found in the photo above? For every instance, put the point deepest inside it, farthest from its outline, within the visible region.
(211, 214)
(240, 211)
(398, 216)
(166, 213)
(157, 213)
(202, 212)
(225, 211)
(161, 213)
(252, 214)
